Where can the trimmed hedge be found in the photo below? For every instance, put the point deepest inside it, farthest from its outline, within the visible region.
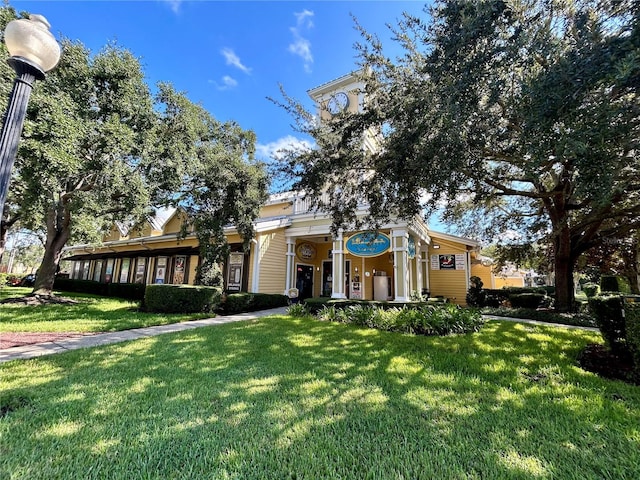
(250, 302)
(526, 300)
(165, 298)
(590, 289)
(496, 297)
(129, 291)
(613, 283)
(632, 319)
(609, 313)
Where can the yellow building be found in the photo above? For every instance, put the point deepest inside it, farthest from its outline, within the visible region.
(294, 247)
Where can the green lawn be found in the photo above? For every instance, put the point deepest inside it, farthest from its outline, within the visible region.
(92, 314)
(283, 398)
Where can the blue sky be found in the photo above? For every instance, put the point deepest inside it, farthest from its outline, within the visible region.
(231, 55)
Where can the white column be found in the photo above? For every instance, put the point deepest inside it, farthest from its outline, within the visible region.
(338, 267)
(291, 254)
(255, 281)
(425, 268)
(400, 243)
(418, 262)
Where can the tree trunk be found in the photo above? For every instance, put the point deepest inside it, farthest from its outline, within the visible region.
(58, 232)
(5, 225)
(563, 265)
(3, 238)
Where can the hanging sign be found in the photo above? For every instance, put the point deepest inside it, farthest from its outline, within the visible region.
(368, 244)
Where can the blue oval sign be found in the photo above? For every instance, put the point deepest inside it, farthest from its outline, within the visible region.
(368, 244)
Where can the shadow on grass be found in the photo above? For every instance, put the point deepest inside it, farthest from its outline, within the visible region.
(90, 314)
(296, 398)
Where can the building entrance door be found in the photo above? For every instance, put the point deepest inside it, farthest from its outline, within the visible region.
(304, 281)
(327, 278)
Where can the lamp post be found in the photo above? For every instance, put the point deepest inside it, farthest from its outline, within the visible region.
(33, 52)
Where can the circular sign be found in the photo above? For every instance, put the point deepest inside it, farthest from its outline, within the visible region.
(306, 251)
(368, 244)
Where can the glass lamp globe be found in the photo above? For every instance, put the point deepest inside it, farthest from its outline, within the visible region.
(32, 40)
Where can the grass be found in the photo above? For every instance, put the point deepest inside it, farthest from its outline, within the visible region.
(284, 398)
(92, 314)
(584, 319)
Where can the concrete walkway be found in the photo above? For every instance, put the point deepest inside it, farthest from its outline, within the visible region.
(39, 349)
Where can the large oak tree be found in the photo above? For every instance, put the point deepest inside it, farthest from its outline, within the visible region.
(98, 147)
(514, 114)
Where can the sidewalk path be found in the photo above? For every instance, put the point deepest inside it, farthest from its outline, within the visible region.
(39, 349)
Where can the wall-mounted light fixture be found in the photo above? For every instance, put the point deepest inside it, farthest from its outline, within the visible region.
(435, 246)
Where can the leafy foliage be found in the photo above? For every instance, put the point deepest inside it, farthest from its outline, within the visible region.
(632, 318)
(297, 310)
(521, 114)
(181, 298)
(476, 296)
(250, 302)
(98, 148)
(526, 300)
(419, 320)
(609, 313)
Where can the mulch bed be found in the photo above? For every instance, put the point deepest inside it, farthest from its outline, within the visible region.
(18, 339)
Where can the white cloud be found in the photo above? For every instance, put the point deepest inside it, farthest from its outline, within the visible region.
(277, 150)
(233, 59)
(227, 83)
(301, 46)
(174, 5)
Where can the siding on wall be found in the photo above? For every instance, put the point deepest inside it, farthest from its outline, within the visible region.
(276, 210)
(174, 224)
(273, 262)
(502, 282)
(483, 272)
(193, 265)
(451, 284)
(113, 235)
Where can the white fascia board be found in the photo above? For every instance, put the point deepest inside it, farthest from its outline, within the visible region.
(446, 236)
(273, 224)
(131, 241)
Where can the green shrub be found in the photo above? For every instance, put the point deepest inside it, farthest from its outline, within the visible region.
(329, 313)
(297, 310)
(632, 320)
(526, 300)
(609, 313)
(614, 283)
(81, 286)
(129, 291)
(441, 319)
(590, 289)
(250, 302)
(181, 298)
(476, 295)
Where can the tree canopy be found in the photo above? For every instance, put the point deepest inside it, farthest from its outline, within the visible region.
(98, 147)
(519, 114)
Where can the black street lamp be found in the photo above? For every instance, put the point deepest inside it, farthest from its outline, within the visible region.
(33, 52)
